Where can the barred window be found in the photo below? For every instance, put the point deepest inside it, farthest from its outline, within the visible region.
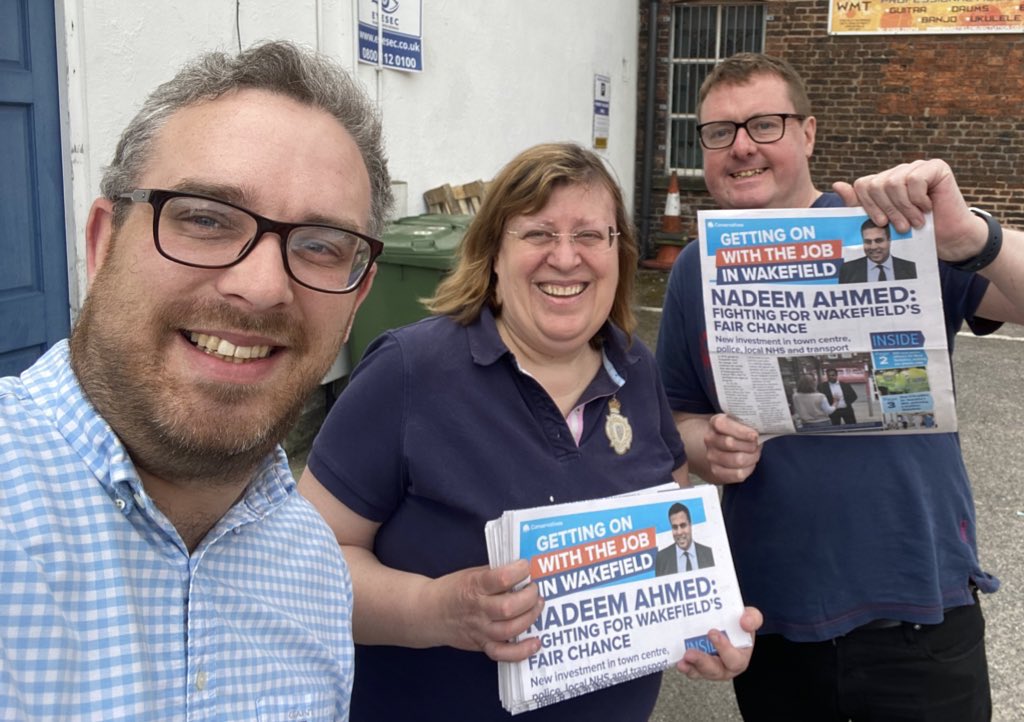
(702, 35)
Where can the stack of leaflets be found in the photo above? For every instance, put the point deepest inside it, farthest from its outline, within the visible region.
(620, 602)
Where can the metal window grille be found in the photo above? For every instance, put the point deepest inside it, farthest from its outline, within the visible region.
(702, 35)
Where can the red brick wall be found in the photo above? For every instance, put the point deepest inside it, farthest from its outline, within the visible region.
(882, 100)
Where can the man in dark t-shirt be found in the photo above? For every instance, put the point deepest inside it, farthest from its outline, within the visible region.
(859, 551)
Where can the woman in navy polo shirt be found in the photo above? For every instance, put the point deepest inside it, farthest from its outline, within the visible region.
(525, 388)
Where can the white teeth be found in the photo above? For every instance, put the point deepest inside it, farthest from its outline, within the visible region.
(553, 290)
(226, 350)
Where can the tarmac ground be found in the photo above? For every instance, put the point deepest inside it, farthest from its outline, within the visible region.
(990, 379)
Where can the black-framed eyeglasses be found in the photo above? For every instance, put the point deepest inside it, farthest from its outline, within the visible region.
(762, 129)
(203, 232)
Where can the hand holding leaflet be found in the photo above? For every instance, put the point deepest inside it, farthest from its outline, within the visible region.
(620, 602)
(906, 193)
(720, 449)
(733, 448)
(729, 660)
(485, 609)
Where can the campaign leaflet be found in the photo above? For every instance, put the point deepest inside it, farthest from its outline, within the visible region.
(820, 322)
(619, 603)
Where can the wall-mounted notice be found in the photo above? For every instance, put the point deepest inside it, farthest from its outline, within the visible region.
(602, 105)
(401, 40)
(889, 17)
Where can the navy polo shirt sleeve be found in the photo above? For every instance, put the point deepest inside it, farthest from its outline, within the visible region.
(358, 454)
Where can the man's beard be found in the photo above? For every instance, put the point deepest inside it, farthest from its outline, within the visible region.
(117, 350)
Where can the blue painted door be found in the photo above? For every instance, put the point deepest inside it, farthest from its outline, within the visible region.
(34, 311)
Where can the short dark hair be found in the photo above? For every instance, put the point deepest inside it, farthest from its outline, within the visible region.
(871, 224)
(677, 508)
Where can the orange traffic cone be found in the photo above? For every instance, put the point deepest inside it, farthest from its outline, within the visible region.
(671, 222)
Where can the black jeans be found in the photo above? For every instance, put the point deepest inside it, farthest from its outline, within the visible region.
(905, 673)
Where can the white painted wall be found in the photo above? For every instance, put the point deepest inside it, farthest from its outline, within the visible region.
(498, 76)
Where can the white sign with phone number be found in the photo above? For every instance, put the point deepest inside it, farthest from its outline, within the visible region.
(401, 40)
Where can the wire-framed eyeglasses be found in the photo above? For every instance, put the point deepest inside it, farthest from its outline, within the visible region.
(203, 232)
(761, 129)
(590, 239)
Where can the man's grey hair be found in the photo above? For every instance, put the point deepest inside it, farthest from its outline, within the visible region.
(275, 66)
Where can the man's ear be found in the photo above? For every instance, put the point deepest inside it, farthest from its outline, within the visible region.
(98, 230)
(810, 128)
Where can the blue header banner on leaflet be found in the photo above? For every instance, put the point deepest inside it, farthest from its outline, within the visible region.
(401, 43)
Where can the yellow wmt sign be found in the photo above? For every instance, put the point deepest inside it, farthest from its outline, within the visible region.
(863, 17)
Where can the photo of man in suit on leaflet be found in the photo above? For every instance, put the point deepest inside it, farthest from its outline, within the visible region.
(835, 389)
(877, 264)
(685, 554)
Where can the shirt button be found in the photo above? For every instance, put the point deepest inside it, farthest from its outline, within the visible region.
(120, 504)
(201, 680)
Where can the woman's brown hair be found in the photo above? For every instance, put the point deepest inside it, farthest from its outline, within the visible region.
(523, 187)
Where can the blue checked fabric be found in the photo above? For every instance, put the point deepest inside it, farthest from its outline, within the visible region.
(105, 616)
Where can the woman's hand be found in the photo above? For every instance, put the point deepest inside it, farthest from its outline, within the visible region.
(474, 609)
(479, 609)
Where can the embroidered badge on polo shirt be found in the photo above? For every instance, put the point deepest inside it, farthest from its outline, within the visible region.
(617, 428)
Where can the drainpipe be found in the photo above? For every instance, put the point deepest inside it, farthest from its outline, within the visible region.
(648, 156)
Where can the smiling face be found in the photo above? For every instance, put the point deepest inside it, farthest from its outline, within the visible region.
(681, 531)
(554, 298)
(876, 244)
(202, 371)
(759, 175)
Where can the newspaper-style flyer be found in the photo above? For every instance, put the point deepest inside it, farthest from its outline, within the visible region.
(629, 582)
(820, 322)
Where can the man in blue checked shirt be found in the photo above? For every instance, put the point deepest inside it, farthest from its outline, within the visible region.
(156, 562)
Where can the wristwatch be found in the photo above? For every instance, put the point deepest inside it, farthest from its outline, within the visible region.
(991, 248)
